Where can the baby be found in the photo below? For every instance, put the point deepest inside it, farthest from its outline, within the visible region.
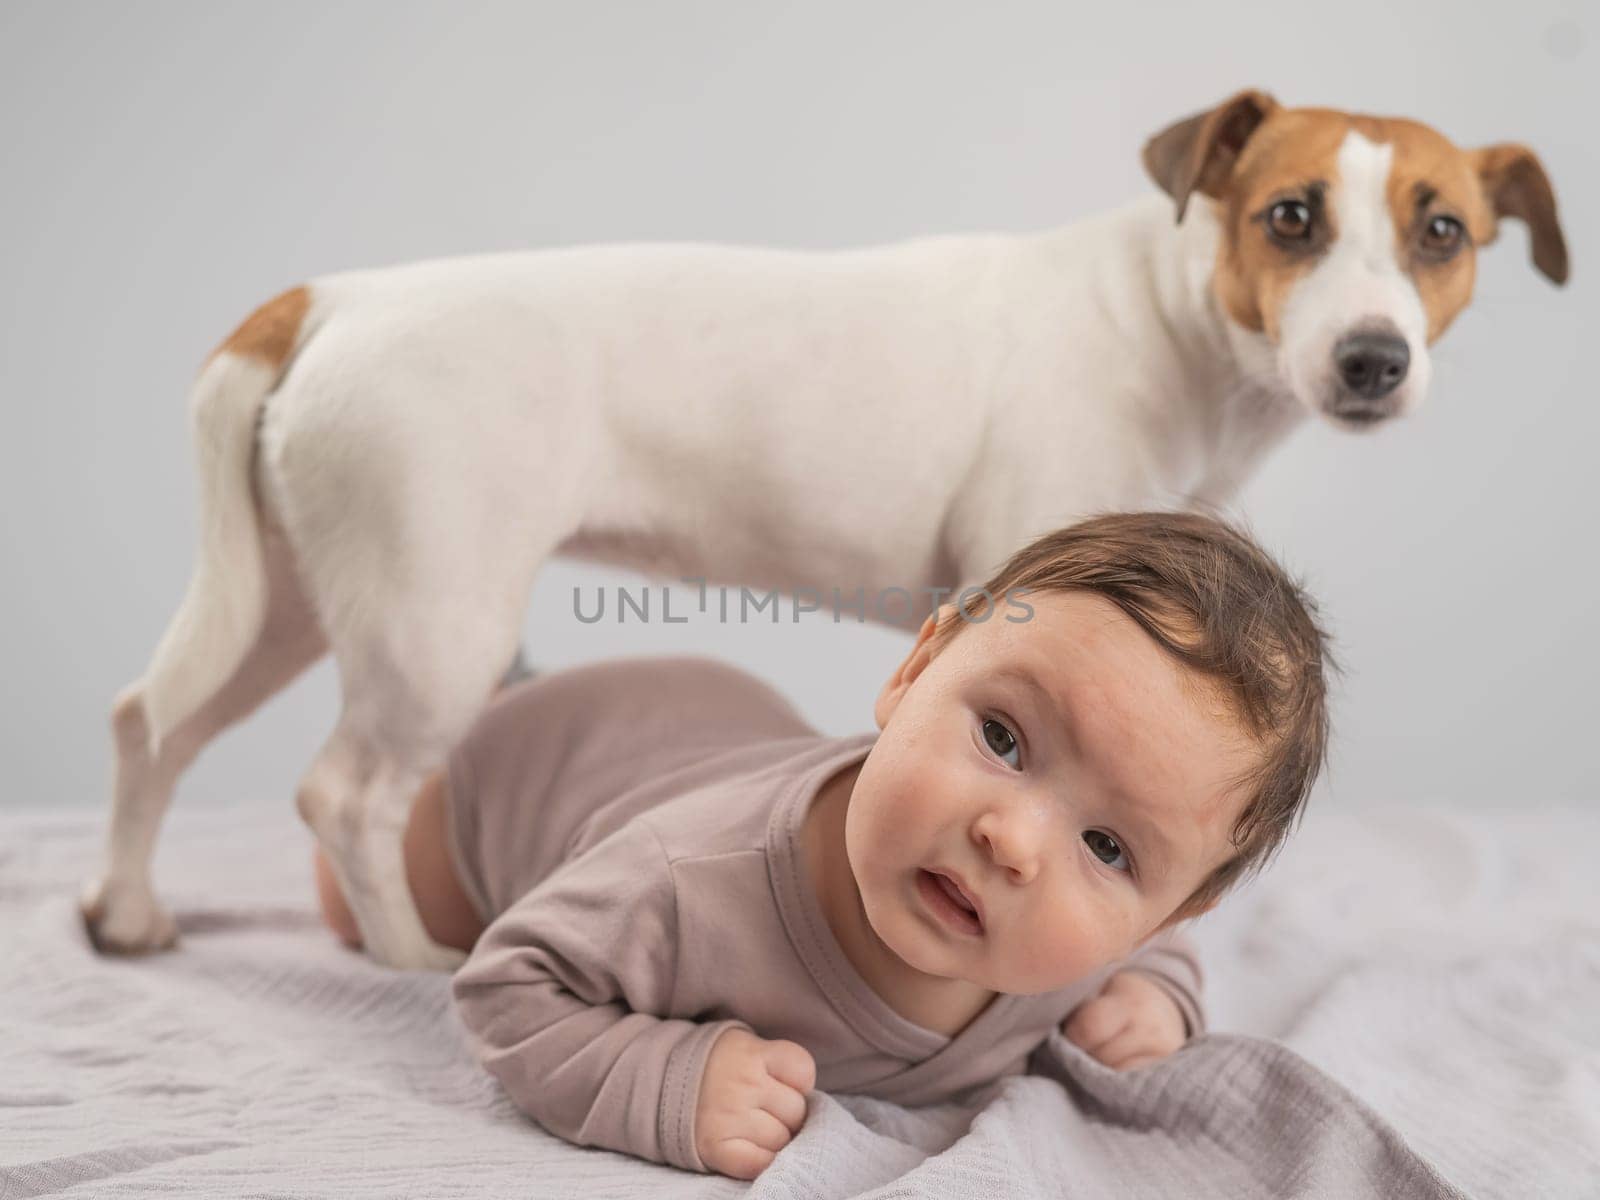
(686, 908)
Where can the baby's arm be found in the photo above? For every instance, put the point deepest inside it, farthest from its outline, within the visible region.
(1171, 960)
(557, 1000)
(1147, 1008)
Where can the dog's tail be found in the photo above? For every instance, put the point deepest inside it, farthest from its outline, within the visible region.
(223, 610)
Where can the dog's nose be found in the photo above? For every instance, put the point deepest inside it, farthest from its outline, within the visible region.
(1372, 364)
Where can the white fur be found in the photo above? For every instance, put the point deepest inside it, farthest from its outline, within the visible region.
(1360, 280)
(905, 415)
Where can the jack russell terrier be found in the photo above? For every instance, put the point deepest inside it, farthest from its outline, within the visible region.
(387, 456)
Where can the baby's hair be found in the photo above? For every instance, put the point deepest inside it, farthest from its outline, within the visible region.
(1218, 603)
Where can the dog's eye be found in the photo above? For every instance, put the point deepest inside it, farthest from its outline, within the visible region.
(1442, 234)
(1289, 221)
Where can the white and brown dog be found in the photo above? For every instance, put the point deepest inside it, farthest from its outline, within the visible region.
(387, 456)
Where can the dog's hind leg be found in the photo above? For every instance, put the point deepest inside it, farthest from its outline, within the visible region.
(120, 909)
(413, 680)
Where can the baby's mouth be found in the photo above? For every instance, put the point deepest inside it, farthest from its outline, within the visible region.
(946, 901)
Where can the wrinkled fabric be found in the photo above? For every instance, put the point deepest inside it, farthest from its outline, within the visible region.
(1449, 985)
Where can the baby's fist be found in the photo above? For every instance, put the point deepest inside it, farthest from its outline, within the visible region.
(752, 1101)
(1133, 1021)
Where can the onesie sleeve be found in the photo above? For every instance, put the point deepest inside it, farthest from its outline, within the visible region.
(1172, 960)
(561, 997)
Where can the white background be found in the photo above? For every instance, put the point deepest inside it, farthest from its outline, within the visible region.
(164, 168)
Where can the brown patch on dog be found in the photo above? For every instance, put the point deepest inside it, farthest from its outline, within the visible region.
(1292, 154)
(1248, 153)
(1429, 176)
(1198, 153)
(1515, 185)
(268, 334)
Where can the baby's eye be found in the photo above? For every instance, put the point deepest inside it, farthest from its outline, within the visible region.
(1105, 848)
(1003, 742)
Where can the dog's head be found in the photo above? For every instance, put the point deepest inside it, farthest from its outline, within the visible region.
(1349, 241)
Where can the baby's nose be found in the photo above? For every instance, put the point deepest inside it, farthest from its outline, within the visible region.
(1010, 841)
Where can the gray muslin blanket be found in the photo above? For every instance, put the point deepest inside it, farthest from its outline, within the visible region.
(1426, 1027)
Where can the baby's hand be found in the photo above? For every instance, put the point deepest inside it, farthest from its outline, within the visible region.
(752, 1101)
(1130, 1023)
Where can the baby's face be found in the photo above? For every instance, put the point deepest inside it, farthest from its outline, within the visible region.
(1076, 814)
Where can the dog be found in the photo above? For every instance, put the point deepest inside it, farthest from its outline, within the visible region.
(387, 456)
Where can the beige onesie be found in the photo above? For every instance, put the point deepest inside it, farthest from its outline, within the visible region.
(630, 831)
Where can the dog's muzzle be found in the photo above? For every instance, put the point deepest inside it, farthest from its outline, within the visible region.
(1371, 364)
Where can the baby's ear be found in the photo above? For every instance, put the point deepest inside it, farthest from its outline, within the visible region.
(905, 674)
(888, 700)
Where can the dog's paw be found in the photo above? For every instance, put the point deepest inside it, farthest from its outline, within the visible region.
(125, 919)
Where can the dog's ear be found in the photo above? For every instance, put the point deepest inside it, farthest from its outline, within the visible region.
(1199, 152)
(1515, 185)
